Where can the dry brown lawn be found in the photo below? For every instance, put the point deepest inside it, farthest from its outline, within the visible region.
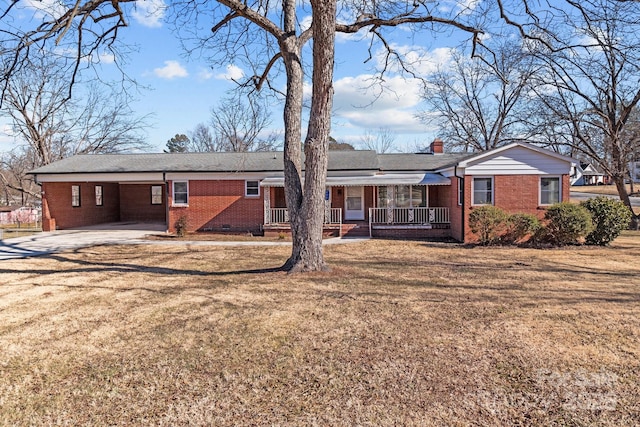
(399, 333)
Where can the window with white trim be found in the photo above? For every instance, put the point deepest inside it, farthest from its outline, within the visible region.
(405, 196)
(180, 193)
(156, 194)
(482, 191)
(252, 188)
(460, 191)
(550, 190)
(99, 198)
(75, 196)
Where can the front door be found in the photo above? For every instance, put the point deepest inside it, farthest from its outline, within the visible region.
(354, 203)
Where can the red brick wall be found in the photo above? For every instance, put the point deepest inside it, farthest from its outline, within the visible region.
(135, 204)
(513, 194)
(219, 205)
(59, 209)
(455, 210)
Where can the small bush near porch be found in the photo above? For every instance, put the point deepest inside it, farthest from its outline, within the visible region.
(399, 333)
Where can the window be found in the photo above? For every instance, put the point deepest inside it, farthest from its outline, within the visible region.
(180, 192)
(460, 191)
(252, 188)
(549, 190)
(99, 201)
(403, 196)
(75, 195)
(156, 194)
(482, 191)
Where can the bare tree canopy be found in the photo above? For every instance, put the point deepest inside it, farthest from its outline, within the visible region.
(240, 124)
(588, 90)
(380, 141)
(478, 106)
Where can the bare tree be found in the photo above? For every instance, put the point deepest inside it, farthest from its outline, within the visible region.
(589, 86)
(381, 141)
(201, 140)
(241, 126)
(476, 105)
(54, 126)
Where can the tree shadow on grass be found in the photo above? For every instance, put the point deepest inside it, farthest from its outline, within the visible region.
(88, 266)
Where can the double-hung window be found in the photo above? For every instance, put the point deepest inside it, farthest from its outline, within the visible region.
(482, 191)
(550, 190)
(75, 196)
(99, 197)
(156, 194)
(180, 193)
(252, 188)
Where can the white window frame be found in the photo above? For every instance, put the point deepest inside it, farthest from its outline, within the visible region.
(557, 177)
(153, 202)
(173, 192)
(473, 191)
(246, 188)
(99, 189)
(460, 191)
(76, 199)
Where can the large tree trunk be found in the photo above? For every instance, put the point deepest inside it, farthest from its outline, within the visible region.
(307, 209)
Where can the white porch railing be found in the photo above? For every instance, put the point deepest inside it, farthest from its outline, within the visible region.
(413, 216)
(281, 216)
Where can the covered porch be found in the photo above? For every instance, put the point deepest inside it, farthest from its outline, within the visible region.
(378, 205)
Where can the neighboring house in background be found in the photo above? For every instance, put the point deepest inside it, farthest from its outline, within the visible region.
(634, 170)
(18, 215)
(426, 195)
(588, 174)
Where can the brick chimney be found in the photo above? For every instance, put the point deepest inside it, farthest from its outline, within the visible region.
(437, 146)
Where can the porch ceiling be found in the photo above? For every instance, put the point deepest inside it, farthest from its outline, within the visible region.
(386, 179)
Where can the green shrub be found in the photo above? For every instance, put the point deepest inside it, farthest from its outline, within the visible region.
(181, 226)
(489, 223)
(609, 218)
(519, 226)
(567, 223)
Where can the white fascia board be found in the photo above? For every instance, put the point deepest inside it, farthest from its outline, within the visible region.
(217, 176)
(491, 153)
(101, 177)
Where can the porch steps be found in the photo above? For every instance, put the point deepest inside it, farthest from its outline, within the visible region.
(355, 230)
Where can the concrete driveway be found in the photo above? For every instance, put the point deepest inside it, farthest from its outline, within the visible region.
(64, 240)
(114, 234)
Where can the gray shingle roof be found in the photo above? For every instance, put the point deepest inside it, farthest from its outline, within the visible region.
(361, 160)
(419, 161)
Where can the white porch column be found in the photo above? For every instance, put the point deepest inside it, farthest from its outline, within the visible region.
(327, 205)
(267, 205)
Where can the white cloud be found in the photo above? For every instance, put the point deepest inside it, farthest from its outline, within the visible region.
(149, 12)
(52, 8)
(171, 70)
(233, 72)
(205, 74)
(361, 103)
(416, 58)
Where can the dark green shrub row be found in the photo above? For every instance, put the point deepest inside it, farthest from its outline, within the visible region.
(493, 225)
(595, 222)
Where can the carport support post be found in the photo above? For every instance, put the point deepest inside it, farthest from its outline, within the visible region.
(267, 204)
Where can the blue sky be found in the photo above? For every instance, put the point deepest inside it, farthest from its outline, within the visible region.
(182, 91)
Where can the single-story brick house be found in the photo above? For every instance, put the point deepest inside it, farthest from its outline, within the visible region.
(405, 195)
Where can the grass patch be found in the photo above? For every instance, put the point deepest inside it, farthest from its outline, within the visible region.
(398, 333)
